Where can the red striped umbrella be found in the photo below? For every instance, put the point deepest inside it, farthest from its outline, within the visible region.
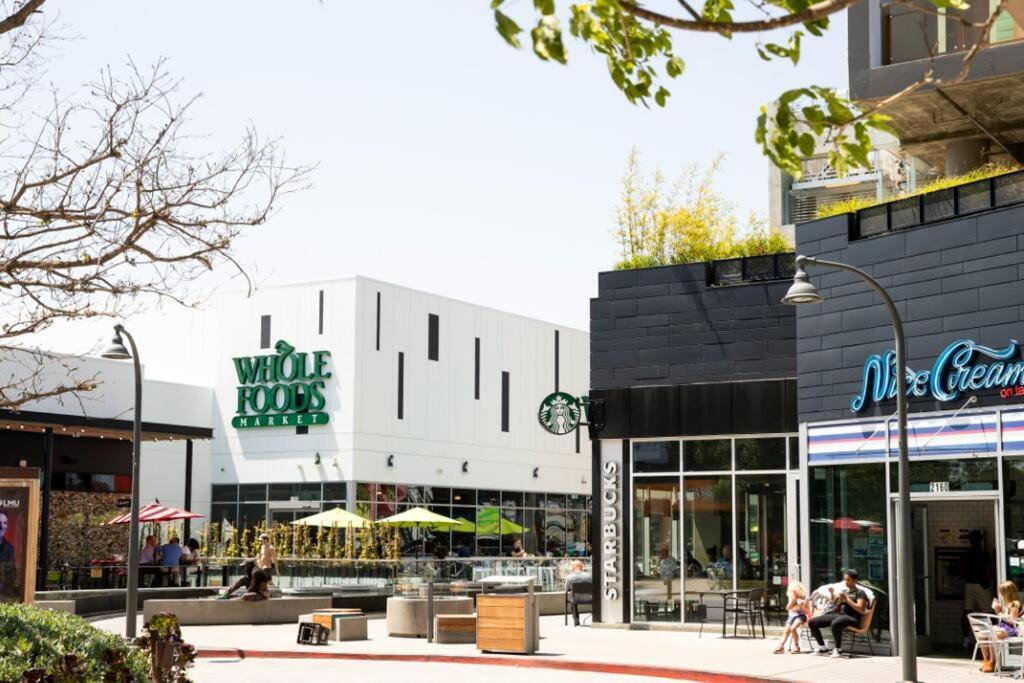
(155, 512)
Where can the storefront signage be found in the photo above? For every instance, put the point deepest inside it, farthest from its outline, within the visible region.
(963, 366)
(19, 531)
(559, 413)
(285, 389)
(611, 529)
(938, 487)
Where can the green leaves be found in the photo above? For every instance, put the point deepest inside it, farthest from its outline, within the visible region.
(790, 51)
(547, 39)
(805, 120)
(507, 28)
(674, 67)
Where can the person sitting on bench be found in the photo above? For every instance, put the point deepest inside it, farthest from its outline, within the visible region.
(848, 604)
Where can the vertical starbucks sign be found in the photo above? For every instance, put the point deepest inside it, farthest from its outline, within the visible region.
(283, 389)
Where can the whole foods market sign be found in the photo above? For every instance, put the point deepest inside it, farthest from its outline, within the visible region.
(963, 366)
(284, 389)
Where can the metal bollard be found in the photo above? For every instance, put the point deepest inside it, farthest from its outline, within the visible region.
(430, 611)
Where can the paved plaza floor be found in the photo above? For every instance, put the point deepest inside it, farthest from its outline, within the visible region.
(561, 646)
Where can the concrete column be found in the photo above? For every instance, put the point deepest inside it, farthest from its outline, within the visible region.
(965, 155)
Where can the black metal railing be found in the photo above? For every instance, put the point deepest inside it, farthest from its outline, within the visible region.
(929, 207)
(747, 269)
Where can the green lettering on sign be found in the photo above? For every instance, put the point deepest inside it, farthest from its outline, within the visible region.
(285, 389)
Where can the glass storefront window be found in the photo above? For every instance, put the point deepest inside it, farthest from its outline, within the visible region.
(656, 583)
(1013, 514)
(847, 528)
(554, 533)
(488, 498)
(251, 515)
(655, 456)
(464, 537)
(533, 500)
(252, 492)
(554, 502)
(335, 491)
(533, 531)
(707, 455)
(463, 496)
(978, 474)
(707, 526)
(761, 553)
(441, 495)
(224, 493)
(294, 491)
(511, 499)
(761, 454)
(794, 453)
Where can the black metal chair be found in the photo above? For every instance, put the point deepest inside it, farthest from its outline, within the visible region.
(748, 605)
(577, 593)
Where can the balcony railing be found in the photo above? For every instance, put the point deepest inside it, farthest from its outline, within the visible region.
(909, 33)
(738, 271)
(929, 207)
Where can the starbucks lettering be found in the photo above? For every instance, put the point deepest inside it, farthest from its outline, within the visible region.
(281, 390)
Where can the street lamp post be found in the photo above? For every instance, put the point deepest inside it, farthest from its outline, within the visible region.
(803, 292)
(117, 350)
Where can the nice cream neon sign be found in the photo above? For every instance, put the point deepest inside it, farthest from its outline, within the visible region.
(285, 389)
(963, 366)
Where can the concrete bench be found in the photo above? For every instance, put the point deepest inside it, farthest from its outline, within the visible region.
(236, 610)
(344, 623)
(455, 628)
(407, 617)
(57, 605)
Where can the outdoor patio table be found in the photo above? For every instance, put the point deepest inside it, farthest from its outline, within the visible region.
(721, 593)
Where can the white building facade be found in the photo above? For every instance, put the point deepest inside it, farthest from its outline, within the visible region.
(369, 396)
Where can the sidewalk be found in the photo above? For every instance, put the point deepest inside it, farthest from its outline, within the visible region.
(561, 646)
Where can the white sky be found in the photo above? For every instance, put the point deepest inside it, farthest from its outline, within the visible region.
(448, 161)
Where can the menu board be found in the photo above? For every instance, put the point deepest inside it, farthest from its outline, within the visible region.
(19, 533)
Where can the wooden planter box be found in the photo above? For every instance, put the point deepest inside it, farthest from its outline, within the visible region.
(508, 623)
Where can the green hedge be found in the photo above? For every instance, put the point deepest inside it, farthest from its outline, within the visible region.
(34, 638)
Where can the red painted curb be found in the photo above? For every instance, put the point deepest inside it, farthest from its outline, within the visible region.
(522, 662)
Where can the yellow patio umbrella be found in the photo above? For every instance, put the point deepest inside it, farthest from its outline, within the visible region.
(334, 517)
(465, 526)
(420, 518)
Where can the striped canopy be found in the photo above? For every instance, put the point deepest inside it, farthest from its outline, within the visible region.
(155, 512)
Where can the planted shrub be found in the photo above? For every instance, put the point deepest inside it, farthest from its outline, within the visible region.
(40, 644)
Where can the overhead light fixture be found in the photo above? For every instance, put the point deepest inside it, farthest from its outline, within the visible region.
(536, 472)
(391, 461)
(465, 466)
(316, 459)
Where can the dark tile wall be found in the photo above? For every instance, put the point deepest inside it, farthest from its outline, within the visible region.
(659, 326)
(953, 280)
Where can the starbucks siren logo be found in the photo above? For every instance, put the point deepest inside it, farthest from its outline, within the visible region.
(559, 413)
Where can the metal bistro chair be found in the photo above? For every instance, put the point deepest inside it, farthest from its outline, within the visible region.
(750, 606)
(576, 594)
(983, 625)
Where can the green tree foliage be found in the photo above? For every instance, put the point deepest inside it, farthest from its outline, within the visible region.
(686, 222)
(638, 46)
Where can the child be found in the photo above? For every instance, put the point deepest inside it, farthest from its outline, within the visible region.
(797, 608)
(1008, 607)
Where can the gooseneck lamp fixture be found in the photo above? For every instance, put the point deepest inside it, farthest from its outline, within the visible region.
(117, 351)
(804, 292)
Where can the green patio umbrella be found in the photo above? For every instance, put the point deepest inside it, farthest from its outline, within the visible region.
(465, 526)
(489, 522)
(334, 517)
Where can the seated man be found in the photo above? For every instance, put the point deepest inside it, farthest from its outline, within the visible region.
(577, 575)
(844, 607)
(170, 558)
(243, 581)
